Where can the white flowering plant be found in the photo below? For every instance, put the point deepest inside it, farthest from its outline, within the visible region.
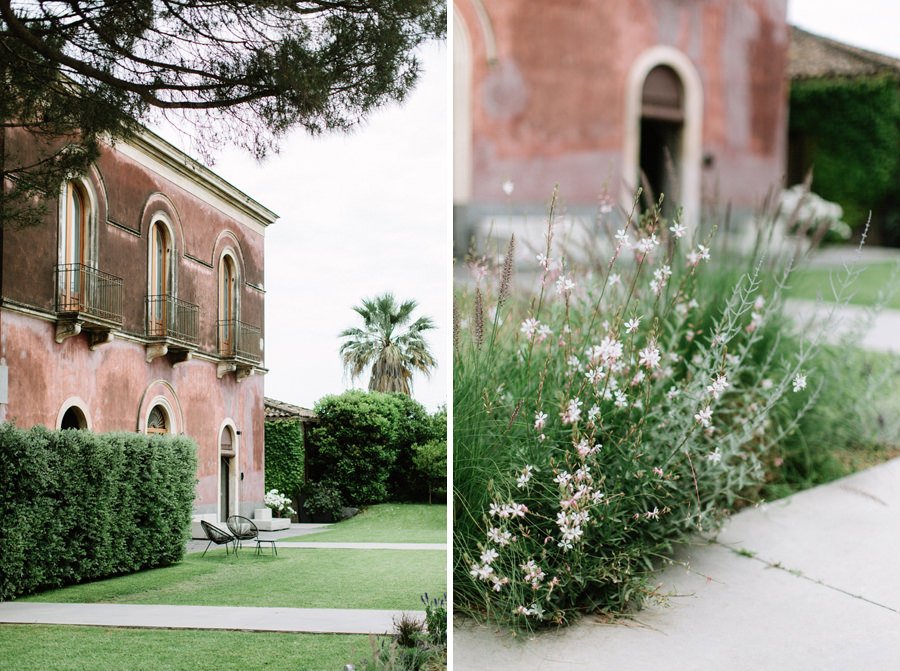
(613, 413)
(279, 503)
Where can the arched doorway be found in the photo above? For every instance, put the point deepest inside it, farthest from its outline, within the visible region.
(226, 473)
(73, 418)
(661, 136)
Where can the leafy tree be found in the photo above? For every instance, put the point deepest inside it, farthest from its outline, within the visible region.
(74, 73)
(430, 460)
(385, 342)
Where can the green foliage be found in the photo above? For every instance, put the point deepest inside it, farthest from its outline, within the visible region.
(853, 130)
(284, 456)
(323, 499)
(363, 445)
(414, 645)
(430, 460)
(79, 506)
(618, 410)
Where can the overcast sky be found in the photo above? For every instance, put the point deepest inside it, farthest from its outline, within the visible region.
(870, 24)
(361, 214)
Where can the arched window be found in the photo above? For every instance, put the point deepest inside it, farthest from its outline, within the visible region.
(158, 421)
(160, 271)
(74, 244)
(227, 305)
(73, 419)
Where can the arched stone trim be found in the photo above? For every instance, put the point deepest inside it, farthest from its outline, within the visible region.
(160, 205)
(91, 186)
(235, 471)
(692, 137)
(228, 240)
(162, 218)
(477, 18)
(74, 402)
(462, 111)
(160, 392)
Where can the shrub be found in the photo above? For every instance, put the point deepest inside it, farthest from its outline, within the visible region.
(364, 443)
(279, 503)
(284, 456)
(79, 506)
(322, 499)
(414, 646)
(607, 417)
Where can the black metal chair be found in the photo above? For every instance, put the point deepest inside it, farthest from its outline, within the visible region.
(217, 536)
(242, 528)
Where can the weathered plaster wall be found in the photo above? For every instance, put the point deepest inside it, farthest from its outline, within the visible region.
(118, 388)
(548, 104)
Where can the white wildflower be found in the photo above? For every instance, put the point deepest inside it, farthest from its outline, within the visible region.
(704, 416)
(632, 325)
(799, 382)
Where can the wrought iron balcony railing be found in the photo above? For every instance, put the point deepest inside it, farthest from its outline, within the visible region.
(168, 317)
(83, 290)
(239, 340)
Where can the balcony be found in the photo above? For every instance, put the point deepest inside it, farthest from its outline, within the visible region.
(239, 344)
(87, 300)
(173, 326)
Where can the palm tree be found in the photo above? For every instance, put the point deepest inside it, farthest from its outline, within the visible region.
(389, 343)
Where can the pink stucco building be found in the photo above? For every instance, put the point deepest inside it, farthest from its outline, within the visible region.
(137, 305)
(586, 93)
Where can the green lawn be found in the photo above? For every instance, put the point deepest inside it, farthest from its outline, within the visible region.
(321, 578)
(388, 523)
(812, 282)
(59, 648)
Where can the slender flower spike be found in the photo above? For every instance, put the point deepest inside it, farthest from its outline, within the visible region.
(704, 416)
(799, 382)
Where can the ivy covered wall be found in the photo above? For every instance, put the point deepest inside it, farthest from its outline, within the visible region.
(848, 131)
(284, 456)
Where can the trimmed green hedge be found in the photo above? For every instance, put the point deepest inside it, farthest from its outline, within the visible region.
(78, 506)
(284, 456)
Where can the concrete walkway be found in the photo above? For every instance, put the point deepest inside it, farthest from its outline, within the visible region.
(360, 546)
(876, 331)
(244, 618)
(806, 583)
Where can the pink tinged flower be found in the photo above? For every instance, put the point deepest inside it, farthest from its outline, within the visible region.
(489, 555)
(543, 332)
(672, 393)
(652, 514)
(593, 413)
(693, 258)
(778, 461)
(597, 496)
(760, 302)
(529, 327)
(649, 357)
(481, 572)
(622, 238)
(540, 418)
(632, 325)
(585, 449)
(524, 477)
(621, 399)
(498, 582)
(678, 230)
(564, 284)
(715, 456)
(767, 384)
(517, 509)
(718, 386)
(595, 376)
(799, 382)
(638, 378)
(562, 478)
(704, 416)
(544, 261)
(572, 413)
(495, 509)
(499, 536)
(658, 471)
(508, 187)
(614, 279)
(703, 252)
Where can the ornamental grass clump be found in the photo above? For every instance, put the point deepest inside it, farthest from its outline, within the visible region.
(617, 410)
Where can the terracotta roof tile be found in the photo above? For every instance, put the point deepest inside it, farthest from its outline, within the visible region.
(281, 410)
(813, 56)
